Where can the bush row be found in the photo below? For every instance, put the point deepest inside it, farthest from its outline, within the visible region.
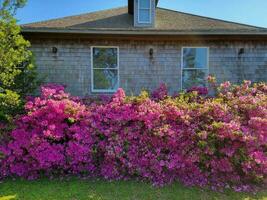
(218, 142)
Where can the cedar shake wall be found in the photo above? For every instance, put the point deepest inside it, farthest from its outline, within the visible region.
(71, 65)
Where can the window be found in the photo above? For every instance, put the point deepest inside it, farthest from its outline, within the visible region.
(144, 11)
(195, 66)
(105, 69)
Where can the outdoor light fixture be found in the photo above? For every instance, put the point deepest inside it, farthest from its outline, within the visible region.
(151, 53)
(241, 51)
(54, 49)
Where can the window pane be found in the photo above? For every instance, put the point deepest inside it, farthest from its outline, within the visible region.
(144, 3)
(195, 58)
(105, 57)
(144, 15)
(195, 77)
(106, 79)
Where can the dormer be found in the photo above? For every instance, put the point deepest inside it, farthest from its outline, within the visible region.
(144, 12)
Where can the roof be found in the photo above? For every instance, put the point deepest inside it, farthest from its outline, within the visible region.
(118, 21)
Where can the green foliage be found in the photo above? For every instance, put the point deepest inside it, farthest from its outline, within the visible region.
(26, 82)
(9, 101)
(17, 72)
(11, 5)
(144, 95)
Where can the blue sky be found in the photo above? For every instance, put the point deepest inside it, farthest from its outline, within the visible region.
(252, 12)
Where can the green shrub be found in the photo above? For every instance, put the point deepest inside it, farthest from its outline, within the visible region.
(17, 72)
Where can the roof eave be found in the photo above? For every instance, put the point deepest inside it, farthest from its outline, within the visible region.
(139, 32)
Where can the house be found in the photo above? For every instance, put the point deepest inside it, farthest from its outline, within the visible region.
(140, 46)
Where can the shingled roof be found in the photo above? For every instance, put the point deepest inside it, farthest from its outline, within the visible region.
(118, 21)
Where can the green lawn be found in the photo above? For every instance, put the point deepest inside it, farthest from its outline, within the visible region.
(76, 189)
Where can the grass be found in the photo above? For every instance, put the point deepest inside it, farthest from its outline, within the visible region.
(77, 189)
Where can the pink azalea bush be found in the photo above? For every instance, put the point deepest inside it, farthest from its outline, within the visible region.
(199, 90)
(218, 142)
(160, 93)
(52, 138)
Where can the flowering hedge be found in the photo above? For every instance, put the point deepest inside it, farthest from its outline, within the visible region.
(218, 142)
(53, 137)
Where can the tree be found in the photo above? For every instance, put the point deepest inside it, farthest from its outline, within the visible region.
(17, 72)
(11, 5)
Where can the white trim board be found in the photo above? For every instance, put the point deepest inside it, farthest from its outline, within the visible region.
(182, 56)
(150, 13)
(92, 70)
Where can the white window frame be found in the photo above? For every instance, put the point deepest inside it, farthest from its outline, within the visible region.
(150, 13)
(182, 61)
(92, 69)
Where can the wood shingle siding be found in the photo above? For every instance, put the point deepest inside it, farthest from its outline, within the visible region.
(71, 65)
